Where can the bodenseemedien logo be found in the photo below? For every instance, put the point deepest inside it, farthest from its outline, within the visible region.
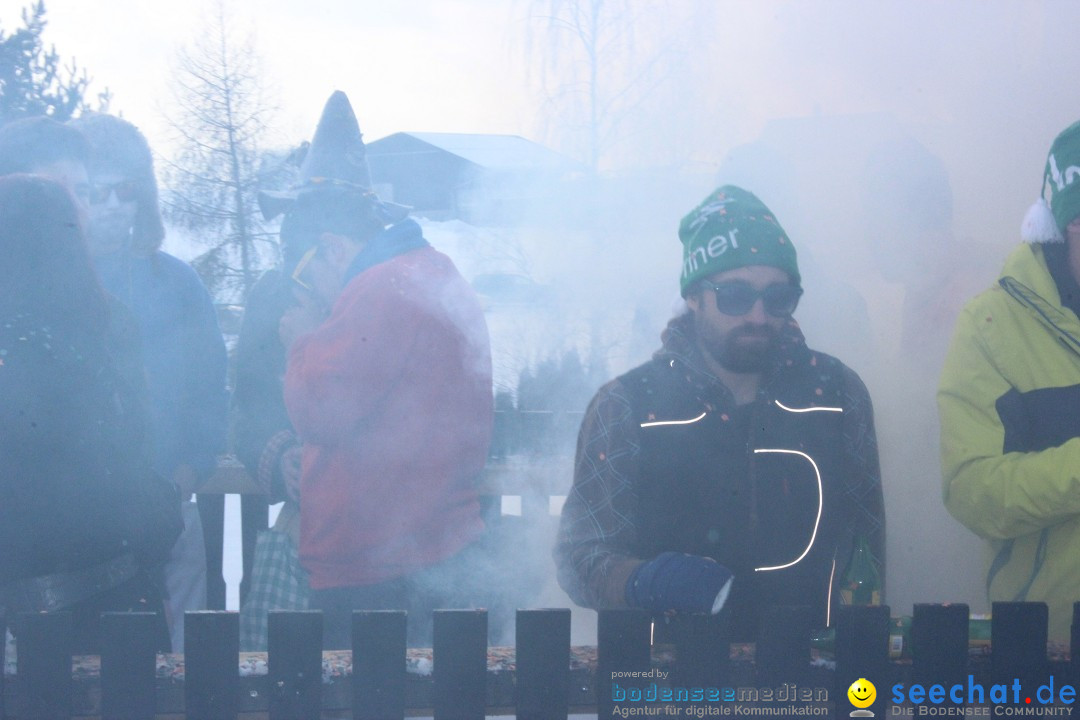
(631, 698)
(862, 694)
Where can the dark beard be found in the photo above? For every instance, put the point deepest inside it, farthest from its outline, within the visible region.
(740, 358)
(108, 236)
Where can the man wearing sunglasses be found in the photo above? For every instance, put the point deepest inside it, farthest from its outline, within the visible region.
(738, 467)
(183, 349)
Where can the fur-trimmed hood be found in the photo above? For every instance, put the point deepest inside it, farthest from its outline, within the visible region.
(117, 146)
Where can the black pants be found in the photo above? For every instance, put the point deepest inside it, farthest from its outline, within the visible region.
(453, 584)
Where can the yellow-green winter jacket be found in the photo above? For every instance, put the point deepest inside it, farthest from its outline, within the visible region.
(1010, 435)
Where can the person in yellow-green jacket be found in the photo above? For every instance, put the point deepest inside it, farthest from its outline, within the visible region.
(1009, 400)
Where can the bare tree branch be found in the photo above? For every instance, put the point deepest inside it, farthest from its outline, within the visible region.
(221, 115)
(601, 62)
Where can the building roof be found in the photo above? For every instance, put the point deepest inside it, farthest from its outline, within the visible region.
(493, 152)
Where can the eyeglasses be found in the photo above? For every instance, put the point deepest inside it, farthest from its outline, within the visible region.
(126, 191)
(304, 260)
(738, 298)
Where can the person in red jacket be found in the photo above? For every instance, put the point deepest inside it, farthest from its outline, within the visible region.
(388, 385)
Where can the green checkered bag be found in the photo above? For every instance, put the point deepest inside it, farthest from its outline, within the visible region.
(278, 582)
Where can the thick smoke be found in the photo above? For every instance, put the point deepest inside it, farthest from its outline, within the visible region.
(898, 142)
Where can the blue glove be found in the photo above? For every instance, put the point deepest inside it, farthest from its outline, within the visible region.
(677, 581)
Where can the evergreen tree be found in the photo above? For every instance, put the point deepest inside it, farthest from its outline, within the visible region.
(33, 81)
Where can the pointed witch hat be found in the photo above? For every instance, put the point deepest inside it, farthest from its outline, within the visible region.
(336, 157)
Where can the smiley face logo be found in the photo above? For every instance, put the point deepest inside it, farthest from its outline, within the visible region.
(862, 693)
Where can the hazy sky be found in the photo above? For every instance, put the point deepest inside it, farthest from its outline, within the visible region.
(407, 64)
(972, 79)
(728, 65)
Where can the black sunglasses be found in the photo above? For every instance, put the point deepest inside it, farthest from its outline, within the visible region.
(126, 191)
(738, 298)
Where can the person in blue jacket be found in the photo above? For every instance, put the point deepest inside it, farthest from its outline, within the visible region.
(183, 349)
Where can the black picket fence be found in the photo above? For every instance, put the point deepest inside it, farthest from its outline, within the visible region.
(542, 678)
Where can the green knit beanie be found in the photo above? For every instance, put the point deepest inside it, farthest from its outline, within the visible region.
(1061, 190)
(730, 229)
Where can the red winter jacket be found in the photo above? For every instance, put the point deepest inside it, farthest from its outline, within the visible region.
(392, 398)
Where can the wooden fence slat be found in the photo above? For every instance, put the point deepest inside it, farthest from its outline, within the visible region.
(460, 650)
(378, 676)
(543, 664)
(128, 665)
(623, 645)
(294, 660)
(702, 650)
(44, 666)
(211, 509)
(939, 645)
(862, 651)
(211, 665)
(1018, 636)
(783, 647)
